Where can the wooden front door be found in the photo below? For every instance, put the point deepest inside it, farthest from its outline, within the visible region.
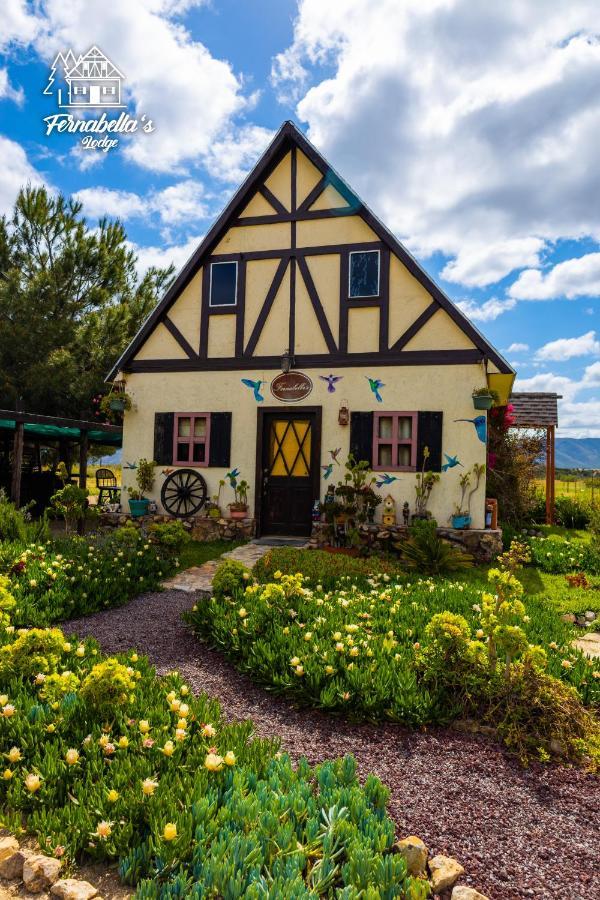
(288, 470)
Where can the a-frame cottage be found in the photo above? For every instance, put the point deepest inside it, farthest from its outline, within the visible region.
(297, 274)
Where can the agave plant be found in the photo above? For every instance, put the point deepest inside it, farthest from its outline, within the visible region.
(426, 552)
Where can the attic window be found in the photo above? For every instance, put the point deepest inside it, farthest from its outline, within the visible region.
(223, 284)
(364, 273)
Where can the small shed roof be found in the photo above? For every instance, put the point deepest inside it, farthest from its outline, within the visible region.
(535, 410)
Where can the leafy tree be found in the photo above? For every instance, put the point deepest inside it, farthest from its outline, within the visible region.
(71, 300)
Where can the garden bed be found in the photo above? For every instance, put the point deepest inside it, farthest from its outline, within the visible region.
(519, 833)
(106, 761)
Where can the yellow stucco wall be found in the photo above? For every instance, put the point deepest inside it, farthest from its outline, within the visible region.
(446, 388)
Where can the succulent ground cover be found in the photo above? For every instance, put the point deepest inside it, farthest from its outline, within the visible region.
(560, 555)
(365, 649)
(103, 759)
(58, 580)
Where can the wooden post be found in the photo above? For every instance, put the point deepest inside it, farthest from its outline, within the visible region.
(83, 455)
(15, 490)
(550, 475)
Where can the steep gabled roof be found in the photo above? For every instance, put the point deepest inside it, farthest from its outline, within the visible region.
(94, 57)
(289, 135)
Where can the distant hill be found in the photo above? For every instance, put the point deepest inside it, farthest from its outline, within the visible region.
(578, 453)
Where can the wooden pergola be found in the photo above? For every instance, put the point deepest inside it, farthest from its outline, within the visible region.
(538, 410)
(52, 429)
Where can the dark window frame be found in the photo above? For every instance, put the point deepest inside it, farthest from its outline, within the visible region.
(352, 296)
(191, 441)
(394, 441)
(229, 262)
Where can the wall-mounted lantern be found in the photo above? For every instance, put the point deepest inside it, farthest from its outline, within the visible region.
(344, 413)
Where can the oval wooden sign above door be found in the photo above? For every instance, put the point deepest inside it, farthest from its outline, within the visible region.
(291, 386)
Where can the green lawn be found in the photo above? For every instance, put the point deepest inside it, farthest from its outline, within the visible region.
(195, 553)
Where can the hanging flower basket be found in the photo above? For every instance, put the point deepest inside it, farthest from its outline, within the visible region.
(484, 398)
(117, 404)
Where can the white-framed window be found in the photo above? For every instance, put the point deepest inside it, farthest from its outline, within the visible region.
(223, 284)
(363, 274)
(107, 89)
(80, 89)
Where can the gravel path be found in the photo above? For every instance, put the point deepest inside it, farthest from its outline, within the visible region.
(518, 833)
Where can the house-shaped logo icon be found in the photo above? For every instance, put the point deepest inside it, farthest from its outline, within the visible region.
(91, 80)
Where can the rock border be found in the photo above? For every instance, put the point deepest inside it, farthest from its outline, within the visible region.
(38, 873)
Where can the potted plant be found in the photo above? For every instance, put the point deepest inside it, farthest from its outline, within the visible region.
(239, 508)
(423, 488)
(144, 477)
(461, 518)
(214, 506)
(484, 398)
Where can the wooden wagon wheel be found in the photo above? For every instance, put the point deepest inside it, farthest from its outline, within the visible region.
(183, 493)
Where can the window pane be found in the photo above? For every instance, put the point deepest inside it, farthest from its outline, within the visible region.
(385, 427)
(199, 453)
(404, 428)
(404, 455)
(364, 274)
(183, 452)
(223, 278)
(384, 455)
(183, 427)
(200, 427)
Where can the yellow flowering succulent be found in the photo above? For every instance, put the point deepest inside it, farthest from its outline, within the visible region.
(213, 762)
(170, 831)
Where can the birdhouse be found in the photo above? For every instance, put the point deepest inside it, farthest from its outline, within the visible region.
(389, 511)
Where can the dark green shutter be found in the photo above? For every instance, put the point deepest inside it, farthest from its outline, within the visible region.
(163, 438)
(220, 439)
(429, 434)
(361, 436)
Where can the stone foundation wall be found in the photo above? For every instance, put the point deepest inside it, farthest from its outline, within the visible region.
(201, 528)
(483, 544)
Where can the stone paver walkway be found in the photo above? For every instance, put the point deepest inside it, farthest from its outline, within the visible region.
(199, 578)
(589, 644)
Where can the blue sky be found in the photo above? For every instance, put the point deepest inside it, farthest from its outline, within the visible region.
(471, 131)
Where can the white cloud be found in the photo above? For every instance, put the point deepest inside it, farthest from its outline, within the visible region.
(466, 126)
(15, 172)
(17, 25)
(100, 201)
(547, 381)
(164, 256)
(486, 311)
(191, 96)
(576, 418)
(8, 92)
(517, 348)
(231, 157)
(178, 203)
(581, 419)
(567, 348)
(572, 278)
(479, 266)
(591, 376)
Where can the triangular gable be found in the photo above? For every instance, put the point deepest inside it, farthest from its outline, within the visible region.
(266, 169)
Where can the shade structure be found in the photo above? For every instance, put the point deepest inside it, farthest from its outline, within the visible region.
(538, 409)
